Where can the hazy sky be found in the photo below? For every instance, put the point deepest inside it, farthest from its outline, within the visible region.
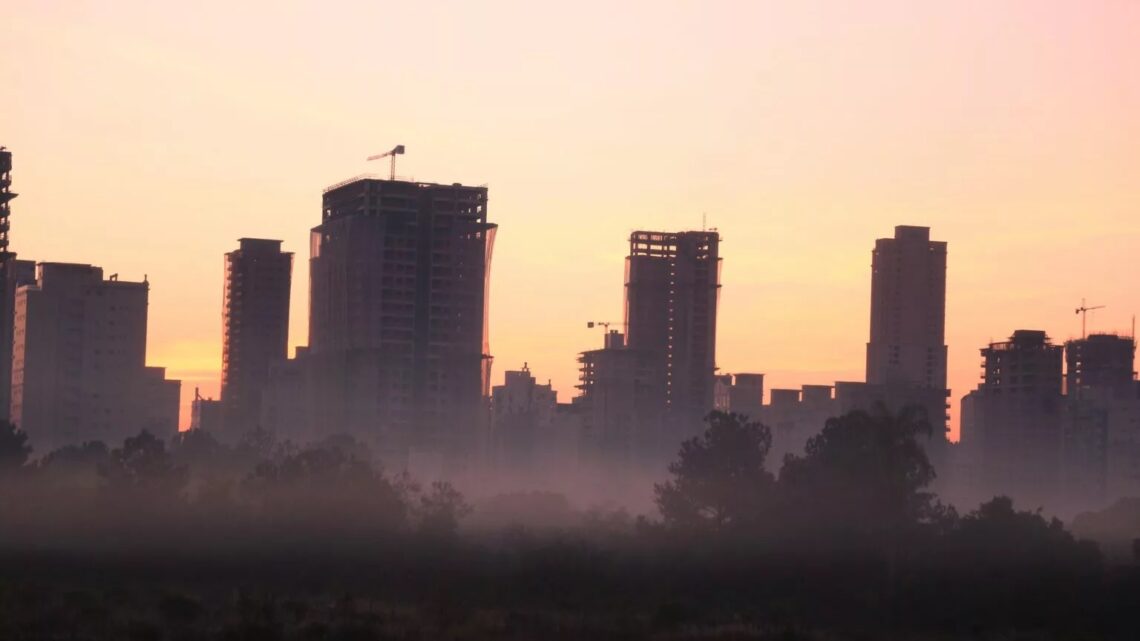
(149, 136)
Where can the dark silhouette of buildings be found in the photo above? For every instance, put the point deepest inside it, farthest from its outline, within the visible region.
(671, 291)
(79, 360)
(1102, 422)
(205, 413)
(13, 274)
(1012, 424)
(621, 405)
(255, 327)
(398, 351)
(648, 389)
(522, 420)
(739, 393)
(1100, 361)
(908, 310)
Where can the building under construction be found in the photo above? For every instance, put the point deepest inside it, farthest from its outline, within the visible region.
(255, 327)
(398, 351)
(13, 274)
(672, 286)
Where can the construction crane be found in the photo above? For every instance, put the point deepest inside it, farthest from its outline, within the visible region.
(606, 326)
(396, 151)
(1084, 310)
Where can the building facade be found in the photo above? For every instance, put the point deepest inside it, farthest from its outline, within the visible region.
(79, 360)
(13, 274)
(672, 288)
(1012, 424)
(522, 421)
(398, 347)
(908, 311)
(620, 406)
(255, 327)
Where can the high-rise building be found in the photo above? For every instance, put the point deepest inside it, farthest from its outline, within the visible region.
(1100, 361)
(671, 291)
(1012, 424)
(620, 405)
(255, 327)
(398, 351)
(13, 274)
(79, 360)
(908, 311)
(1102, 448)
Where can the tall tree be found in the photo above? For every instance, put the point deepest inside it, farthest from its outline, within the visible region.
(864, 474)
(718, 482)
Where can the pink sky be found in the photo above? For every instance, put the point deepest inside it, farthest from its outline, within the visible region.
(150, 136)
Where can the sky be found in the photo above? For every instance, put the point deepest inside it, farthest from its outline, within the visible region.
(150, 136)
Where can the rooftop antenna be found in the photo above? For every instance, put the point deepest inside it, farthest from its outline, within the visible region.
(395, 151)
(1084, 310)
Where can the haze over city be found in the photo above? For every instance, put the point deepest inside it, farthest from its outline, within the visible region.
(150, 137)
(661, 321)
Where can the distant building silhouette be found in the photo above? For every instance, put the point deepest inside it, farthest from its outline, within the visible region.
(1104, 361)
(1102, 423)
(671, 291)
(908, 310)
(1012, 424)
(13, 274)
(621, 405)
(522, 420)
(205, 413)
(79, 360)
(739, 393)
(255, 327)
(398, 351)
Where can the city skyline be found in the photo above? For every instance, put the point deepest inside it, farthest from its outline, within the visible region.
(1034, 222)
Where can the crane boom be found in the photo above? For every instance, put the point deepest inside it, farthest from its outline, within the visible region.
(392, 153)
(1084, 310)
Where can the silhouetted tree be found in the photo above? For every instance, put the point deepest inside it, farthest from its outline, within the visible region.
(864, 475)
(322, 482)
(441, 510)
(718, 480)
(196, 447)
(143, 464)
(14, 448)
(73, 468)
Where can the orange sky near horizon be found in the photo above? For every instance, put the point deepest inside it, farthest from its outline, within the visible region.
(149, 136)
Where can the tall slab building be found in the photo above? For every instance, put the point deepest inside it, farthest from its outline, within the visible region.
(908, 311)
(79, 361)
(398, 351)
(255, 327)
(672, 287)
(13, 274)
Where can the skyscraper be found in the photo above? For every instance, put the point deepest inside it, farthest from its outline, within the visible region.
(255, 327)
(908, 311)
(1102, 361)
(398, 350)
(1012, 424)
(13, 273)
(671, 291)
(79, 360)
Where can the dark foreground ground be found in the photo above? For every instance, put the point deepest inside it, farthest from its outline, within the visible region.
(554, 590)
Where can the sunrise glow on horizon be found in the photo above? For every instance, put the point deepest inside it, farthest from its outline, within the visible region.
(148, 139)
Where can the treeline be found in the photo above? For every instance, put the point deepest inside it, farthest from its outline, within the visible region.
(195, 539)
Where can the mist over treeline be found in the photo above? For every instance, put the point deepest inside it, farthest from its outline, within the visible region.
(266, 539)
